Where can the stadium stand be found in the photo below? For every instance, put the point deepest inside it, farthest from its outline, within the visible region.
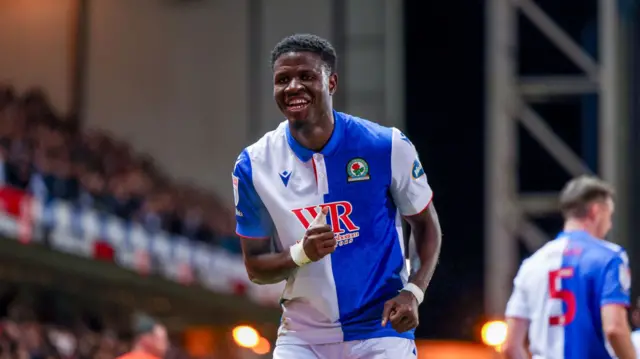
(53, 157)
(83, 192)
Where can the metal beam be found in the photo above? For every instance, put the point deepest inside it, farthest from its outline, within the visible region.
(551, 142)
(539, 203)
(543, 87)
(612, 140)
(559, 37)
(500, 186)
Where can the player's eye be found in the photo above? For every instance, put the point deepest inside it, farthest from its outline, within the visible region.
(306, 77)
(282, 80)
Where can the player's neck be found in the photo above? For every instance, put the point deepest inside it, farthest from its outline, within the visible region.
(314, 136)
(139, 348)
(572, 225)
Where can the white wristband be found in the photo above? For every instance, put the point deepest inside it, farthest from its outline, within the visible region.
(298, 255)
(416, 291)
(297, 250)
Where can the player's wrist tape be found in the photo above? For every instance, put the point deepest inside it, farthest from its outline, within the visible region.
(297, 250)
(416, 291)
(298, 255)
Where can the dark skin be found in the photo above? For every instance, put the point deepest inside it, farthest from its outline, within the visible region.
(402, 311)
(303, 87)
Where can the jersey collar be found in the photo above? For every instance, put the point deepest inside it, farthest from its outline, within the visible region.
(305, 154)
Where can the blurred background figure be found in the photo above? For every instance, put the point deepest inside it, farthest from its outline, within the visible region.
(150, 340)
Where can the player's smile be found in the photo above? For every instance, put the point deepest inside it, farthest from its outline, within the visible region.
(297, 103)
(300, 86)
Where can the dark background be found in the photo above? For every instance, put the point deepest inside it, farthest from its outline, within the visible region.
(445, 120)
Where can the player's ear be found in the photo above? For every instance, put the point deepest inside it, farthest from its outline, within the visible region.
(333, 83)
(593, 209)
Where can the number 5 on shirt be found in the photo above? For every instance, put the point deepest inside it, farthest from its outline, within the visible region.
(568, 298)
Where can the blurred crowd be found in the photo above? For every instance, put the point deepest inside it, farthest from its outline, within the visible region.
(32, 326)
(53, 156)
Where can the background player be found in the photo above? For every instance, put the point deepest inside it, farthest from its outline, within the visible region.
(150, 342)
(572, 294)
(328, 190)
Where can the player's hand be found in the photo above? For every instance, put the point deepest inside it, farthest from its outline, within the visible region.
(402, 312)
(319, 240)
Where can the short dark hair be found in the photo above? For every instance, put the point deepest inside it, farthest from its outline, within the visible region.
(307, 43)
(580, 192)
(143, 324)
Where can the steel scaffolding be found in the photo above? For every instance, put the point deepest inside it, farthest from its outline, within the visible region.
(508, 98)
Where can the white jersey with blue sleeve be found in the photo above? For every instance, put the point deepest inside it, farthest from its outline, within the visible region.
(561, 288)
(368, 176)
(635, 339)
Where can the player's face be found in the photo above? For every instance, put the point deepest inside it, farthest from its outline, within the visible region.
(603, 216)
(159, 341)
(303, 87)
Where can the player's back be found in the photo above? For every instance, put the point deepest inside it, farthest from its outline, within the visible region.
(561, 289)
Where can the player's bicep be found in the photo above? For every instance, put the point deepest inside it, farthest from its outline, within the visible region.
(616, 283)
(409, 186)
(252, 218)
(518, 305)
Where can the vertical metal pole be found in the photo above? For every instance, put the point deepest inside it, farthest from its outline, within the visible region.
(394, 65)
(610, 133)
(500, 155)
(339, 26)
(257, 59)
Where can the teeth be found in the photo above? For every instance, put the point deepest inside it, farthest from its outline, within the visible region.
(298, 102)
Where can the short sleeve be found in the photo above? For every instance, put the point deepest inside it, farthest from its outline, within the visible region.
(517, 306)
(616, 282)
(409, 186)
(252, 218)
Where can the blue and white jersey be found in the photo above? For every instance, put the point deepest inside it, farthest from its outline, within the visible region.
(367, 175)
(561, 288)
(635, 339)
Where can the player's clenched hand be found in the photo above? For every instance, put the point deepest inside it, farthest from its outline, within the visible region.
(401, 311)
(319, 240)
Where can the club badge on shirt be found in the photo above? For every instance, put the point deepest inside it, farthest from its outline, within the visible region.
(357, 170)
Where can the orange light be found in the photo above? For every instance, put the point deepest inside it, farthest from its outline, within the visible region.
(494, 333)
(245, 336)
(263, 347)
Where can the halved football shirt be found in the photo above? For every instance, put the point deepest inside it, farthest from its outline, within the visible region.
(367, 175)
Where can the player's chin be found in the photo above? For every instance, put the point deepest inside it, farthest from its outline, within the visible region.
(297, 113)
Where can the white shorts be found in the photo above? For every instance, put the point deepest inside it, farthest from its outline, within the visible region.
(378, 348)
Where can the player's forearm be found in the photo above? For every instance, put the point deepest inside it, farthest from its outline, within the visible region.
(515, 352)
(621, 344)
(263, 266)
(269, 268)
(428, 237)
